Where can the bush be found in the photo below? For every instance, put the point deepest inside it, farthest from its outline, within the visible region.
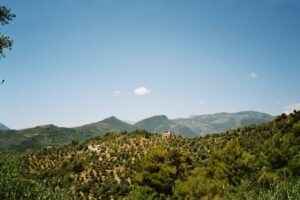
(287, 190)
(14, 185)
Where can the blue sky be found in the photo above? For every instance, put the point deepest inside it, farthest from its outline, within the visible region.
(76, 62)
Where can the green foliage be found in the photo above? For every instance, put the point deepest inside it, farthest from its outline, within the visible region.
(159, 169)
(254, 162)
(140, 193)
(231, 163)
(15, 185)
(296, 129)
(198, 185)
(277, 150)
(78, 167)
(294, 165)
(225, 169)
(5, 41)
(287, 190)
(278, 158)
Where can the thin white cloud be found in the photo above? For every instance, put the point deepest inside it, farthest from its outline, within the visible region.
(290, 108)
(141, 91)
(116, 93)
(253, 75)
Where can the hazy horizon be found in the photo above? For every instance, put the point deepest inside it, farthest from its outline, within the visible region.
(130, 121)
(77, 62)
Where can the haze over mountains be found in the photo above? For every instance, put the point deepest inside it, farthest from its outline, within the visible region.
(3, 127)
(197, 125)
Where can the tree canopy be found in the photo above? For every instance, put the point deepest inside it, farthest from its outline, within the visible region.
(5, 41)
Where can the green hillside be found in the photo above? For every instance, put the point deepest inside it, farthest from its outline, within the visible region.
(50, 135)
(12, 141)
(254, 162)
(109, 124)
(25, 140)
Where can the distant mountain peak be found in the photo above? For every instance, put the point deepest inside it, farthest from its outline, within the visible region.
(197, 125)
(164, 117)
(3, 127)
(108, 124)
(156, 123)
(46, 126)
(111, 118)
(222, 121)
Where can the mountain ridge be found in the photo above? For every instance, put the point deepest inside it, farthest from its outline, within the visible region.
(121, 161)
(199, 125)
(3, 127)
(51, 135)
(108, 124)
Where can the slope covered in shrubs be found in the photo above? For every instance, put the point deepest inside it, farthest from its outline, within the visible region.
(254, 162)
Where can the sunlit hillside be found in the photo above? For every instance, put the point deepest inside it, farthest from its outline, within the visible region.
(252, 162)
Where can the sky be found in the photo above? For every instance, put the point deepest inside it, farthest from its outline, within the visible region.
(79, 61)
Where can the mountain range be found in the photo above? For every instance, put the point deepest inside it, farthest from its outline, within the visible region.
(257, 161)
(3, 127)
(197, 125)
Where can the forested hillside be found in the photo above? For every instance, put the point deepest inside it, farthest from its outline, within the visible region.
(26, 140)
(78, 60)
(254, 162)
(16, 141)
